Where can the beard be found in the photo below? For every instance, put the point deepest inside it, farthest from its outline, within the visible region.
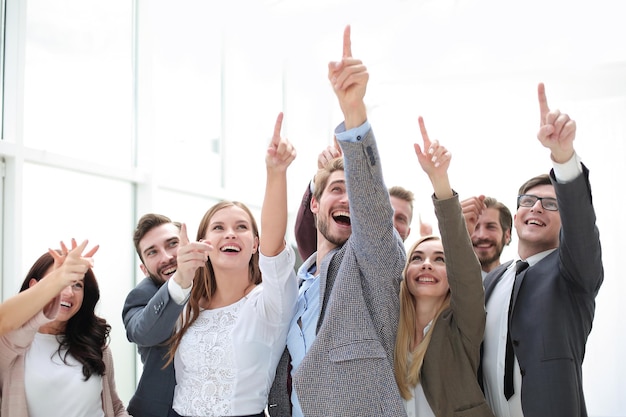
(489, 259)
(323, 227)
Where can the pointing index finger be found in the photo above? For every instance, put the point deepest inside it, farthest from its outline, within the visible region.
(424, 133)
(184, 239)
(543, 104)
(347, 43)
(277, 128)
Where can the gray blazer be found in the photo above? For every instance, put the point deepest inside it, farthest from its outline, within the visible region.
(349, 369)
(553, 308)
(150, 316)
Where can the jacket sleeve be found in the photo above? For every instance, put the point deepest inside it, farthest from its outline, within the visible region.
(580, 251)
(467, 300)
(149, 317)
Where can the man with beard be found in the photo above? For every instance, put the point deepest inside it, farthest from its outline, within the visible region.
(348, 304)
(151, 310)
(489, 224)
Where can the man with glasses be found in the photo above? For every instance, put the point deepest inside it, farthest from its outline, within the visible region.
(539, 318)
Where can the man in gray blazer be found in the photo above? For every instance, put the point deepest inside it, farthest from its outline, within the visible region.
(546, 312)
(150, 313)
(348, 368)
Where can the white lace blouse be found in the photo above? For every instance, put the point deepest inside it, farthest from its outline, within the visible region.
(226, 360)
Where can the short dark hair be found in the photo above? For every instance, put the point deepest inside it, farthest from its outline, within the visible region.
(543, 179)
(506, 219)
(146, 223)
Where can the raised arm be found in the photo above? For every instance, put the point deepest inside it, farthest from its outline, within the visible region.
(68, 268)
(462, 266)
(280, 154)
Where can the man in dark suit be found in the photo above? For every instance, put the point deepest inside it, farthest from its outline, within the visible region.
(151, 310)
(545, 313)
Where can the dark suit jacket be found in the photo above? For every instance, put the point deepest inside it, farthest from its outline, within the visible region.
(553, 308)
(348, 370)
(150, 316)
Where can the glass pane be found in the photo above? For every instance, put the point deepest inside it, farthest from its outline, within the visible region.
(180, 94)
(60, 205)
(78, 79)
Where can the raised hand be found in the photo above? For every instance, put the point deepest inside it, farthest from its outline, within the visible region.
(71, 265)
(472, 208)
(349, 79)
(434, 160)
(556, 130)
(190, 257)
(331, 152)
(280, 152)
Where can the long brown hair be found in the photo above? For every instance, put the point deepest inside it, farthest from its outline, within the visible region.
(408, 363)
(204, 283)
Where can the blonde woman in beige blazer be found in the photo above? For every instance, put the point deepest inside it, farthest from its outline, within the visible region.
(442, 314)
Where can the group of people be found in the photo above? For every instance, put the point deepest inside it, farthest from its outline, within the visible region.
(225, 326)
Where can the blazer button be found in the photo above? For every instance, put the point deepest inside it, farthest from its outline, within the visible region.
(515, 342)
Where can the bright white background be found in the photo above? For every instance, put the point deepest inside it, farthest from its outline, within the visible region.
(113, 109)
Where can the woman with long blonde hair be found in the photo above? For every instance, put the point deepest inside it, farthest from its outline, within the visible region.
(442, 313)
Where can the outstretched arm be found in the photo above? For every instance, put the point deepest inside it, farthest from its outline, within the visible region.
(280, 154)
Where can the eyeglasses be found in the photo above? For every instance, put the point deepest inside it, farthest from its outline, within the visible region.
(529, 200)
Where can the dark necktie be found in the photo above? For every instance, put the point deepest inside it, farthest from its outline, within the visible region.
(509, 357)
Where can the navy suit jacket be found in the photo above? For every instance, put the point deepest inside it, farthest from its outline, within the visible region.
(553, 308)
(150, 316)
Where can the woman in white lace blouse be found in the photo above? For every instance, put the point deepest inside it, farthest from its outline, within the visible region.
(234, 327)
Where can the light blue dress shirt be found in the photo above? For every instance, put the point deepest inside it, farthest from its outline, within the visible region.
(304, 323)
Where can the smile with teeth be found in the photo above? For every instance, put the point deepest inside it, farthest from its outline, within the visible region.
(535, 222)
(169, 271)
(66, 304)
(342, 217)
(230, 248)
(426, 279)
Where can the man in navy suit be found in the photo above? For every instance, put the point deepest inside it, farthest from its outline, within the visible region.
(545, 314)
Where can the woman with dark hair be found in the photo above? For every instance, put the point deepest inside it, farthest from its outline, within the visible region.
(23, 306)
(442, 312)
(59, 363)
(233, 330)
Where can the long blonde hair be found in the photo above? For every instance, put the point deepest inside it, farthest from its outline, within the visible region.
(204, 283)
(408, 363)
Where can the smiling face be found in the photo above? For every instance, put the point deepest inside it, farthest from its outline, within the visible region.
(537, 228)
(158, 249)
(231, 233)
(71, 301)
(332, 210)
(425, 274)
(489, 239)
